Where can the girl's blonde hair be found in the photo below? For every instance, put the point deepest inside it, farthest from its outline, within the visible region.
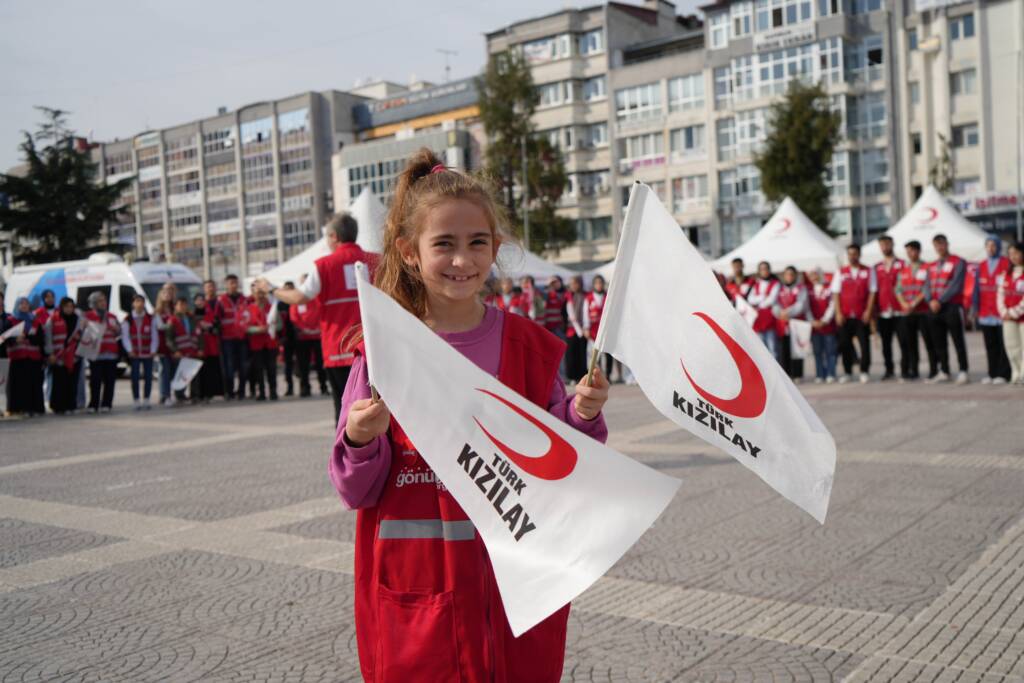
(423, 185)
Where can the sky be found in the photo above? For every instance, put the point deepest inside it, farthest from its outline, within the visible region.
(125, 66)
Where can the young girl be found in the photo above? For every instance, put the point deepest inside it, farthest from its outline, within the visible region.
(763, 295)
(427, 605)
(1010, 304)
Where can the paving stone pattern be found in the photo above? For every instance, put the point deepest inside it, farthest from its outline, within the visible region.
(207, 544)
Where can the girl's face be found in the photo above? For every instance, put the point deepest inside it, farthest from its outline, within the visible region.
(1017, 256)
(67, 308)
(454, 251)
(23, 306)
(598, 284)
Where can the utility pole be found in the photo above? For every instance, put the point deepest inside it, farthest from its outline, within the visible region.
(447, 66)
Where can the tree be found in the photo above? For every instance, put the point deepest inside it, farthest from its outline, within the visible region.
(507, 100)
(942, 172)
(803, 134)
(56, 209)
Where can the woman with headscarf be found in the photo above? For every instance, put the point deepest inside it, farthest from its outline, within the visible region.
(163, 311)
(25, 351)
(63, 329)
(211, 380)
(984, 308)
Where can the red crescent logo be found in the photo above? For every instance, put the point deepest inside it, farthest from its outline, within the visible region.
(786, 225)
(932, 215)
(753, 395)
(557, 463)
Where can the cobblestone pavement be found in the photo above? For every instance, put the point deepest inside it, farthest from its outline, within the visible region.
(208, 544)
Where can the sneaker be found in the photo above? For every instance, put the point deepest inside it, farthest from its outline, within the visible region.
(888, 376)
(961, 378)
(146, 405)
(818, 380)
(105, 409)
(844, 379)
(940, 378)
(864, 378)
(830, 379)
(136, 405)
(987, 380)
(997, 381)
(901, 380)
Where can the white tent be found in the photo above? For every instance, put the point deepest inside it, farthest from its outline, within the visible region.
(789, 238)
(931, 215)
(514, 261)
(368, 212)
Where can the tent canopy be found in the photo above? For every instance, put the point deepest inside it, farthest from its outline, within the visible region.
(514, 261)
(930, 216)
(368, 212)
(789, 238)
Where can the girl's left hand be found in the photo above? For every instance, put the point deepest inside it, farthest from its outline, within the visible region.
(591, 399)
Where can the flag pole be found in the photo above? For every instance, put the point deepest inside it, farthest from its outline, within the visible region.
(363, 276)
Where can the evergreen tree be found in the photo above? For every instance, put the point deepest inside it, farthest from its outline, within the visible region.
(56, 209)
(803, 135)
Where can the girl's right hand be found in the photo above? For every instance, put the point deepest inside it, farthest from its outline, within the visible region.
(366, 421)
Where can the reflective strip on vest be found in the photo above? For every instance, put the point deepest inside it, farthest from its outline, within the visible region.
(342, 300)
(460, 530)
(341, 356)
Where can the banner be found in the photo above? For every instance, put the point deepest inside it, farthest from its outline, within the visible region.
(554, 508)
(89, 343)
(701, 364)
(188, 368)
(799, 339)
(746, 311)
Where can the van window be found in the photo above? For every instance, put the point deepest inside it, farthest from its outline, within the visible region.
(185, 289)
(126, 292)
(82, 298)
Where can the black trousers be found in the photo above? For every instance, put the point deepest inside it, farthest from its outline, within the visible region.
(308, 353)
(288, 349)
(794, 367)
(576, 358)
(235, 353)
(887, 328)
(337, 377)
(854, 327)
(948, 322)
(102, 374)
(909, 327)
(263, 364)
(64, 392)
(995, 351)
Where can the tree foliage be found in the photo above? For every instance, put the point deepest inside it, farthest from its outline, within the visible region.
(55, 210)
(803, 134)
(507, 101)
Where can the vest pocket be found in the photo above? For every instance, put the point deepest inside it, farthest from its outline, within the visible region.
(417, 636)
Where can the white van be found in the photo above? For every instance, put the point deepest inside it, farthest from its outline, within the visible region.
(103, 272)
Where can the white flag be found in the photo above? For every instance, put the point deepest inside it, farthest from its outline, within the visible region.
(702, 366)
(13, 332)
(746, 311)
(89, 342)
(188, 368)
(799, 339)
(549, 535)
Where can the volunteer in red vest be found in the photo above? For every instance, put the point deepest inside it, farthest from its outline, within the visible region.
(595, 310)
(576, 335)
(507, 299)
(234, 343)
(821, 307)
(43, 314)
(184, 341)
(1010, 304)
(533, 302)
(912, 293)
(985, 311)
(305, 320)
(945, 309)
(103, 370)
(63, 330)
(854, 288)
(211, 379)
(555, 312)
(763, 295)
(140, 339)
(791, 305)
(886, 273)
(333, 283)
(287, 341)
(262, 326)
(25, 352)
(738, 284)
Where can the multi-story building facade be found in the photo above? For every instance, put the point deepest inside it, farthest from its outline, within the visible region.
(238, 192)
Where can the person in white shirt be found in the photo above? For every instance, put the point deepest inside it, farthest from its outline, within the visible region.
(854, 289)
(140, 337)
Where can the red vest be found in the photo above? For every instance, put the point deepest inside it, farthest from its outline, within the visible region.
(306, 319)
(854, 291)
(187, 342)
(912, 284)
(229, 313)
(819, 301)
(254, 316)
(111, 332)
(594, 310)
(161, 345)
(554, 309)
(988, 286)
(210, 342)
(734, 290)
(765, 317)
(1013, 292)
(939, 275)
(886, 278)
(63, 348)
(141, 335)
(787, 297)
(339, 303)
(428, 609)
(22, 347)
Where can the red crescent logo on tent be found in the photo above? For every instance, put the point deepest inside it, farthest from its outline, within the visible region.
(557, 463)
(753, 395)
(932, 215)
(786, 225)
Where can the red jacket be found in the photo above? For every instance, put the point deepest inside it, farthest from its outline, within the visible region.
(733, 289)
(940, 275)
(229, 314)
(819, 298)
(141, 335)
(988, 286)
(63, 348)
(428, 609)
(255, 316)
(339, 302)
(110, 344)
(554, 309)
(759, 292)
(885, 278)
(912, 283)
(185, 340)
(306, 319)
(854, 291)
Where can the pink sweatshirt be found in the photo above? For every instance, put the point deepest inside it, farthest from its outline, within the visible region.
(359, 474)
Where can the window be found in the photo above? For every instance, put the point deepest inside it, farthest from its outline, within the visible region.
(915, 92)
(741, 182)
(186, 218)
(967, 185)
(829, 7)
(751, 130)
(590, 43)
(221, 180)
(592, 183)
(642, 150)
(222, 210)
(742, 15)
(594, 135)
(773, 14)
(686, 92)
(866, 116)
(912, 39)
(149, 156)
(743, 78)
(871, 171)
(126, 293)
(295, 160)
(688, 141)
(864, 6)
(836, 175)
(257, 131)
(963, 82)
(719, 30)
(726, 139)
(257, 203)
(293, 127)
(149, 194)
(864, 60)
(547, 49)
(218, 140)
(638, 102)
(965, 136)
(961, 27)
(555, 94)
(776, 69)
(594, 89)
(591, 229)
(915, 143)
(688, 190)
(723, 87)
(183, 183)
(116, 164)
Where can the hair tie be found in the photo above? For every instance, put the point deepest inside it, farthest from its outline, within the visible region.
(438, 168)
